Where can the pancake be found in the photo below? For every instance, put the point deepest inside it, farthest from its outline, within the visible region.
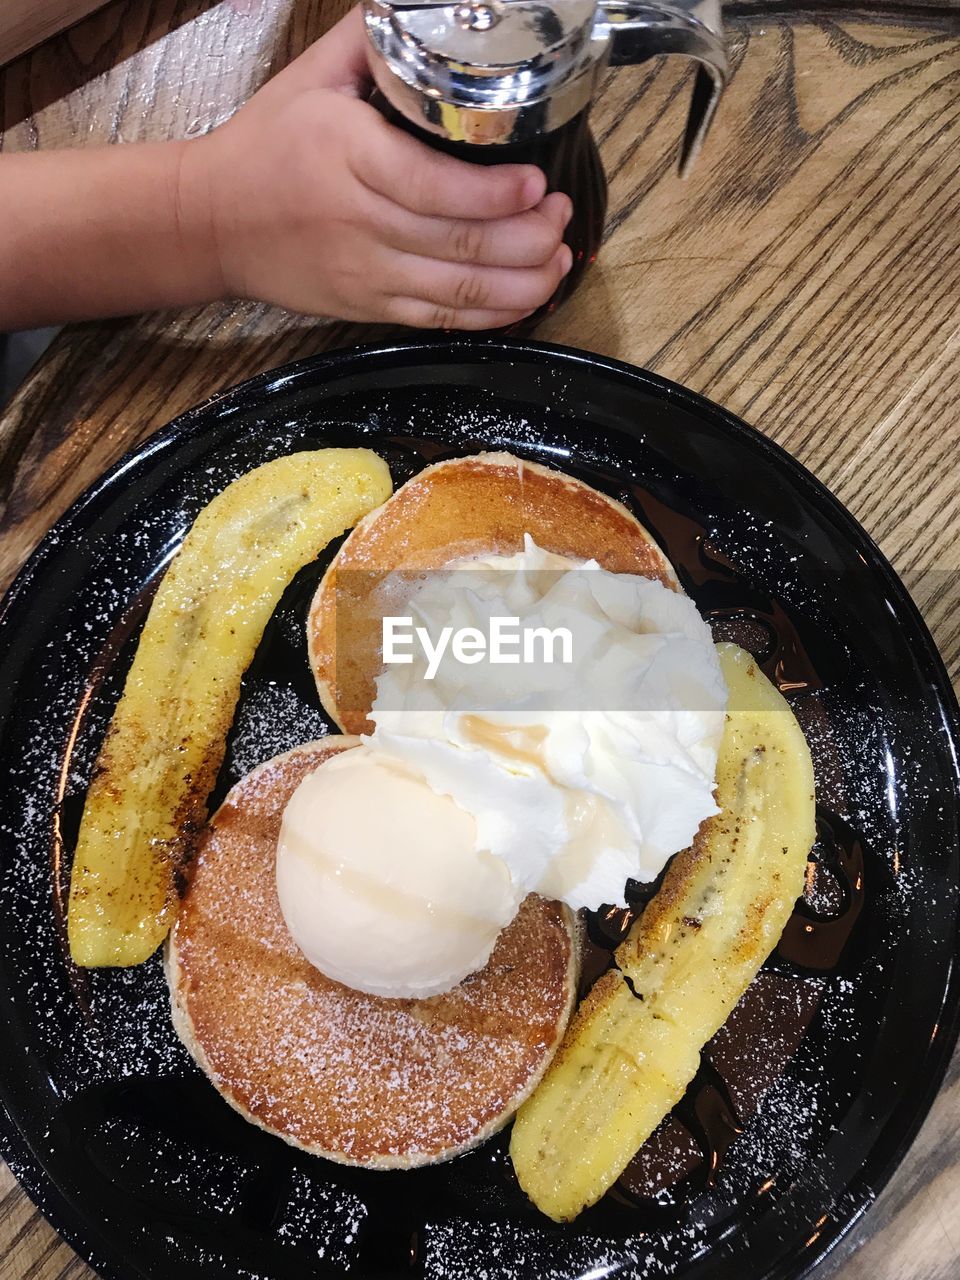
(453, 510)
(380, 1083)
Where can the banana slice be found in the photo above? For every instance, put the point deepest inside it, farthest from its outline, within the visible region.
(628, 1055)
(163, 750)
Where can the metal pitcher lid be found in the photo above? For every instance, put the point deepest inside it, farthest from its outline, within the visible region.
(501, 36)
(484, 56)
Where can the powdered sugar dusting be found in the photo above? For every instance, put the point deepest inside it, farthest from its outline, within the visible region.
(468, 1250)
(268, 722)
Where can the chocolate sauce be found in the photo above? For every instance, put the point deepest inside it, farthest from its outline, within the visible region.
(737, 611)
(737, 1068)
(688, 1146)
(763, 1032)
(815, 939)
(671, 1157)
(603, 932)
(707, 1111)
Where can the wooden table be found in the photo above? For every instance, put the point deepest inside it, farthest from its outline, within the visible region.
(807, 277)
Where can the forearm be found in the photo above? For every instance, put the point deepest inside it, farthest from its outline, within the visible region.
(103, 232)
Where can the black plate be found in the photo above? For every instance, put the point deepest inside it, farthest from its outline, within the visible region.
(131, 1153)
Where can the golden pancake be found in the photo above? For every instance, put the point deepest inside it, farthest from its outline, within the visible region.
(385, 1084)
(461, 508)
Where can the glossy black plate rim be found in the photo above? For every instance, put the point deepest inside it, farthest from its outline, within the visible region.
(904, 1123)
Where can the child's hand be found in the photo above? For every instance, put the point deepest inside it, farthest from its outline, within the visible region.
(314, 202)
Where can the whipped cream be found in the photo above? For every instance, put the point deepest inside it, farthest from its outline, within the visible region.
(570, 777)
(579, 775)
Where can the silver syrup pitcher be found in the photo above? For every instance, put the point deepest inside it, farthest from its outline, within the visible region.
(504, 72)
(511, 81)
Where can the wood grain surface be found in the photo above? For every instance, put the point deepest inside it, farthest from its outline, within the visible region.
(807, 277)
(24, 23)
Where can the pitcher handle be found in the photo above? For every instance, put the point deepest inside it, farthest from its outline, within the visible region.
(637, 31)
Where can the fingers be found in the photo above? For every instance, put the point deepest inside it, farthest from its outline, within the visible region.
(452, 288)
(473, 288)
(430, 183)
(419, 314)
(524, 240)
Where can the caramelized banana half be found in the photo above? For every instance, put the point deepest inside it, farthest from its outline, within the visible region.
(165, 744)
(628, 1055)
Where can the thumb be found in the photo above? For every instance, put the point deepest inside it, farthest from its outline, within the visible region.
(338, 60)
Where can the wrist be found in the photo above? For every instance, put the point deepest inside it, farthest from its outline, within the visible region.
(195, 221)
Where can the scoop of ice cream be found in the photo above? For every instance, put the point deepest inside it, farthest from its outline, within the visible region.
(381, 881)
